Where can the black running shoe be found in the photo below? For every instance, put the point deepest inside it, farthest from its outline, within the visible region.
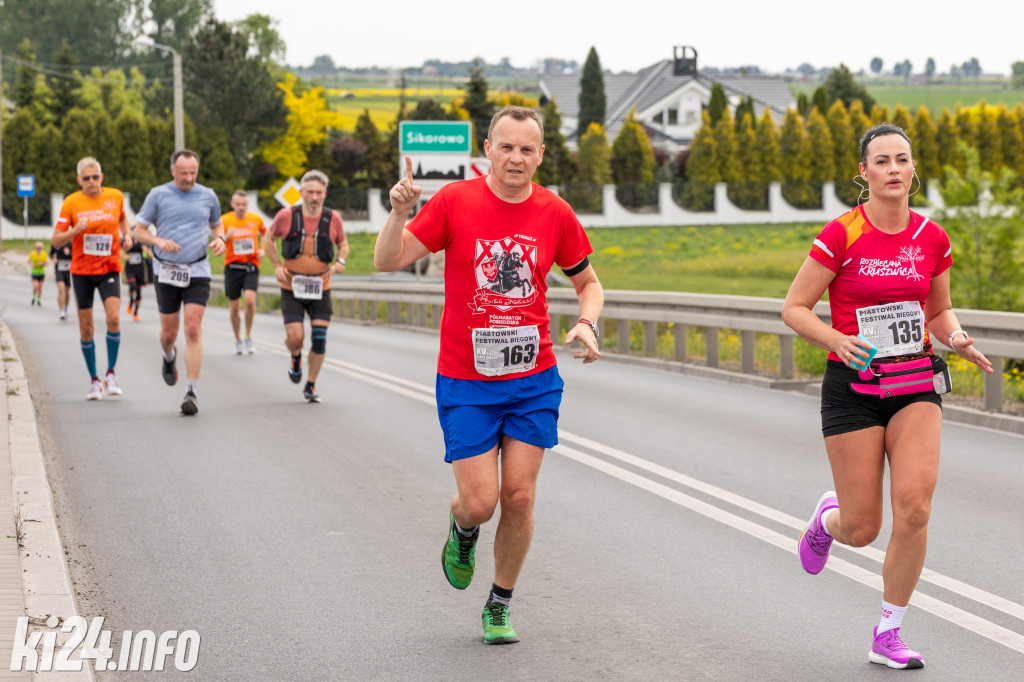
(310, 394)
(295, 371)
(170, 369)
(189, 406)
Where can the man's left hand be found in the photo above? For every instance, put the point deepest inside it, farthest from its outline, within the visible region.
(585, 335)
(218, 246)
(338, 268)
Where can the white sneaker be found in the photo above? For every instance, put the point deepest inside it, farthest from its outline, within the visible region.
(63, 314)
(250, 346)
(96, 392)
(112, 387)
(239, 348)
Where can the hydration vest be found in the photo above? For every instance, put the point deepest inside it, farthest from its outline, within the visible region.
(291, 245)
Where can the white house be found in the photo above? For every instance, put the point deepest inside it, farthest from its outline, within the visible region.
(669, 97)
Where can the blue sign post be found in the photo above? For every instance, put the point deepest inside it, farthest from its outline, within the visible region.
(26, 188)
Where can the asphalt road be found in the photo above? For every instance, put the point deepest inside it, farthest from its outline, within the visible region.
(303, 541)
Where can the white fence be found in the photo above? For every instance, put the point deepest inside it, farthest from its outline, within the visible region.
(613, 214)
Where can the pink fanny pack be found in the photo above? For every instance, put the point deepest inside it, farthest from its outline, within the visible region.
(886, 380)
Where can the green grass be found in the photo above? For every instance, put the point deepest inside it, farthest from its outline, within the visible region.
(934, 96)
(745, 260)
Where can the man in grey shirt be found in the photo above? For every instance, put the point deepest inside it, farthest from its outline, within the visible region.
(185, 215)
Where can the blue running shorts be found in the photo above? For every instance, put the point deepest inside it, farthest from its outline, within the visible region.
(475, 414)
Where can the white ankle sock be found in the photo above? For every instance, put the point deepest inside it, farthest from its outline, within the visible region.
(892, 616)
(824, 517)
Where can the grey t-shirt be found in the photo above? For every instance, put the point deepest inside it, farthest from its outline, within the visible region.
(186, 219)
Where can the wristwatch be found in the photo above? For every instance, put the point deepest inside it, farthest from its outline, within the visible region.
(592, 325)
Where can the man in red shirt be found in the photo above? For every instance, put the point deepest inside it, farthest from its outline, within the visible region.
(498, 389)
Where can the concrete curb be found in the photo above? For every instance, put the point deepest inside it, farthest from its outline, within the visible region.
(43, 573)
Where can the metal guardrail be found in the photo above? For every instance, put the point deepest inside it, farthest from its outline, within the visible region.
(384, 300)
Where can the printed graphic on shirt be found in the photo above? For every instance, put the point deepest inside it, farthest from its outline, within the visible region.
(504, 271)
(904, 266)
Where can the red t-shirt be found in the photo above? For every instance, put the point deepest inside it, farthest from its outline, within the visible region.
(497, 257)
(873, 267)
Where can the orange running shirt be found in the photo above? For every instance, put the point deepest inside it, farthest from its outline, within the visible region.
(242, 235)
(103, 214)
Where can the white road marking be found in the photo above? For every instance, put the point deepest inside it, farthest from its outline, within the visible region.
(965, 619)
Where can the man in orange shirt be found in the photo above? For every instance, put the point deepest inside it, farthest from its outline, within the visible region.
(242, 232)
(94, 223)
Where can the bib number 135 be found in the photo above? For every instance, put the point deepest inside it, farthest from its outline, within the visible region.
(906, 331)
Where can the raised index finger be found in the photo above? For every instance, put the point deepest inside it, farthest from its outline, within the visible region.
(408, 168)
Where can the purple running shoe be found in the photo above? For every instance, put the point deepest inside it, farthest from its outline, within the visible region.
(814, 543)
(888, 649)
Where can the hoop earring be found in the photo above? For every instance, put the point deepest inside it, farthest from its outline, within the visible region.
(919, 184)
(863, 190)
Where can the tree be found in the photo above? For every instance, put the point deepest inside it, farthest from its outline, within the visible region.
(746, 106)
(476, 104)
(48, 162)
(876, 65)
(595, 170)
(946, 135)
(1017, 77)
(265, 43)
(217, 168)
(984, 237)
(967, 130)
(77, 135)
(633, 164)
(821, 164)
(309, 121)
(374, 164)
(929, 68)
(1011, 125)
(702, 169)
(820, 100)
(591, 98)
(20, 150)
(127, 165)
(25, 76)
(173, 22)
(428, 109)
(769, 162)
(841, 84)
(227, 88)
(748, 191)
(987, 138)
(718, 104)
(926, 149)
(66, 85)
(795, 147)
(93, 28)
(113, 92)
(845, 153)
(323, 64)
(558, 167)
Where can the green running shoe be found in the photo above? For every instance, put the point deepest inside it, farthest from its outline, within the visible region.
(497, 628)
(457, 556)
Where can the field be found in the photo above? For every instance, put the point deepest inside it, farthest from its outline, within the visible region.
(935, 96)
(381, 96)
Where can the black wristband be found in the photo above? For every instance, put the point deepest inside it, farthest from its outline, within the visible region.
(580, 267)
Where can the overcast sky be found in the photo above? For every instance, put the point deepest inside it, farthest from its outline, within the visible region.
(631, 35)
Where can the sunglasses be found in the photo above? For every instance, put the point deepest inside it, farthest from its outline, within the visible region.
(89, 178)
